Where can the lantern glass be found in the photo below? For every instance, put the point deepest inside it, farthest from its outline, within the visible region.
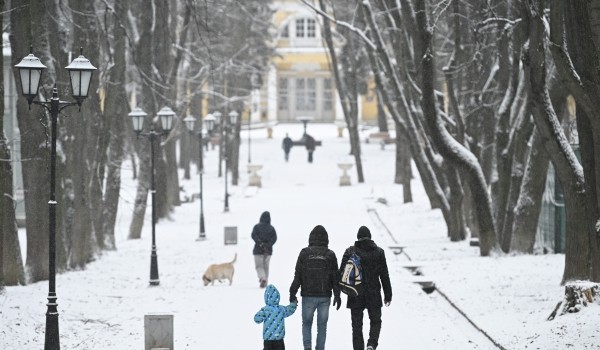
(80, 72)
(30, 72)
(189, 122)
(166, 115)
(233, 117)
(137, 117)
(80, 82)
(209, 122)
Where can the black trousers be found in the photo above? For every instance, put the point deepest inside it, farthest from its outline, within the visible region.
(358, 341)
(274, 345)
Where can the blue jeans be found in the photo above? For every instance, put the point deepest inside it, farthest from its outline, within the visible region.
(309, 305)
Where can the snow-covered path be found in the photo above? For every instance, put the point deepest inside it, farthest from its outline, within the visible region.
(103, 307)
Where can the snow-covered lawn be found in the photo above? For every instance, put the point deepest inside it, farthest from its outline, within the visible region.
(103, 307)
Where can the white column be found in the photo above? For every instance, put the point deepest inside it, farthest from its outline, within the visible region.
(272, 94)
(255, 103)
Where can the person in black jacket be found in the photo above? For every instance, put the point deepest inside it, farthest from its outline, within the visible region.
(287, 146)
(375, 276)
(316, 275)
(264, 236)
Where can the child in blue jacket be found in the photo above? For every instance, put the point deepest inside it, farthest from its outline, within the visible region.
(272, 316)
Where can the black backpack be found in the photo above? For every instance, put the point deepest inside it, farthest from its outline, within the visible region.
(352, 278)
(316, 271)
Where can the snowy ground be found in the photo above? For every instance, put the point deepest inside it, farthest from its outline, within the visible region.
(103, 307)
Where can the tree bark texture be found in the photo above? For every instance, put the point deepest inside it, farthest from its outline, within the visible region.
(449, 148)
(115, 109)
(347, 90)
(526, 212)
(581, 20)
(567, 167)
(35, 149)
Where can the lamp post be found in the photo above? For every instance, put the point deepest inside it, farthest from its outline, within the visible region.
(219, 125)
(233, 115)
(166, 116)
(209, 120)
(80, 74)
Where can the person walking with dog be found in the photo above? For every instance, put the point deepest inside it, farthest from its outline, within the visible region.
(264, 236)
(316, 274)
(272, 317)
(375, 275)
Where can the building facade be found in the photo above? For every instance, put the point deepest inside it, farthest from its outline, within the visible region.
(299, 83)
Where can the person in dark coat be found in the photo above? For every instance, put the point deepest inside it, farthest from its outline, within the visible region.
(310, 146)
(375, 276)
(287, 146)
(316, 275)
(264, 236)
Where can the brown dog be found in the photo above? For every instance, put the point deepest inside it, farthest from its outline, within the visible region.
(219, 272)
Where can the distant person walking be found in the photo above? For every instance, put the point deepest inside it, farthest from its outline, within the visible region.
(264, 237)
(272, 316)
(375, 276)
(310, 146)
(287, 146)
(316, 274)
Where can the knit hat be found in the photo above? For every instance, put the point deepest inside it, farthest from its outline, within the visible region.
(363, 233)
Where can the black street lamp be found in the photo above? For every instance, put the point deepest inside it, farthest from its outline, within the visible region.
(30, 72)
(166, 116)
(233, 116)
(189, 123)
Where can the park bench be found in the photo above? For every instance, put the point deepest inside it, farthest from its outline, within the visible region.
(302, 143)
(414, 268)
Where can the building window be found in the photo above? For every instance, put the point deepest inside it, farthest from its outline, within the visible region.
(306, 94)
(311, 28)
(306, 28)
(311, 94)
(282, 102)
(300, 94)
(327, 94)
(300, 28)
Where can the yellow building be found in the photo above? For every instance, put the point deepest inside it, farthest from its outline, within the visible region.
(299, 81)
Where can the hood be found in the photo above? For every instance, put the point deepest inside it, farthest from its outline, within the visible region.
(271, 295)
(265, 218)
(318, 236)
(365, 244)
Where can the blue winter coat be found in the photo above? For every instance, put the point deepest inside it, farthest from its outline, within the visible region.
(272, 315)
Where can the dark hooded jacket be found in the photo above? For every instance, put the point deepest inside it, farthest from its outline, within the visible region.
(376, 275)
(316, 268)
(264, 235)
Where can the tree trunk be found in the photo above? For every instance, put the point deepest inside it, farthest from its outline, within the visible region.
(450, 149)
(142, 56)
(400, 108)
(11, 261)
(87, 159)
(517, 148)
(583, 80)
(33, 147)
(527, 210)
(403, 164)
(116, 107)
(348, 99)
(567, 167)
